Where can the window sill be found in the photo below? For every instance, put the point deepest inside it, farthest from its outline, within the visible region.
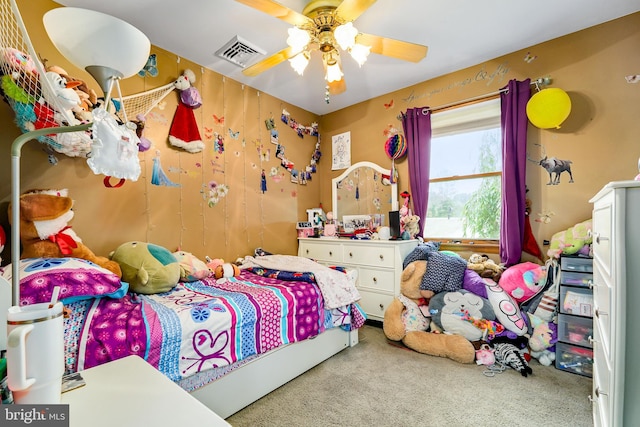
(482, 247)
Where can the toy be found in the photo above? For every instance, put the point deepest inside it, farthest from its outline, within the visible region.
(184, 131)
(191, 268)
(571, 241)
(542, 340)
(411, 226)
(213, 263)
(148, 268)
(226, 270)
(404, 321)
(506, 309)
(87, 96)
(509, 355)
(523, 281)
(462, 312)
(485, 266)
(405, 210)
(485, 356)
(61, 95)
(45, 230)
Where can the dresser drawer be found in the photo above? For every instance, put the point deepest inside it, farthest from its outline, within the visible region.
(602, 231)
(571, 358)
(575, 330)
(377, 280)
(325, 253)
(601, 388)
(374, 304)
(376, 256)
(602, 312)
(577, 301)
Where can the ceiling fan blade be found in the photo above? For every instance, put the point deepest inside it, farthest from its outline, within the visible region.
(350, 10)
(336, 88)
(279, 11)
(395, 48)
(268, 62)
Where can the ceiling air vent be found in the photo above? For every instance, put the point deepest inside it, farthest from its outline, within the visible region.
(239, 52)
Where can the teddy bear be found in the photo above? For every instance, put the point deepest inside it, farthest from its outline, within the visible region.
(405, 321)
(45, 230)
(410, 224)
(485, 266)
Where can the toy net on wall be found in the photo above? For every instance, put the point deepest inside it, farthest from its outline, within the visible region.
(39, 98)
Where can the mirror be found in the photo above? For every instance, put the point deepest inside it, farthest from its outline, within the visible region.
(364, 189)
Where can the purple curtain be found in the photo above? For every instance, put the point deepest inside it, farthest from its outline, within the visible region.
(416, 123)
(514, 158)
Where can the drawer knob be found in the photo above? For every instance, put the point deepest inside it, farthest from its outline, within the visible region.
(590, 284)
(307, 251)
(600, 313)
(330, 253)
(381, 257)
(590, 340)
(375, 280)
(381, 307)
(351, 254)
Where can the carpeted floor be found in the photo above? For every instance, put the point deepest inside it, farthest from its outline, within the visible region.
(378, 384)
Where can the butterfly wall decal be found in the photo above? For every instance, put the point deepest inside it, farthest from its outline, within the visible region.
(388, 105)
(150, 68)
(218, 120)
(233, 134)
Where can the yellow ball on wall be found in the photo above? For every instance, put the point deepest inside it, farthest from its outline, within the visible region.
(549, 108)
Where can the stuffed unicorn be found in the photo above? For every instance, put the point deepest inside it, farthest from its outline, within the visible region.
(542, 340)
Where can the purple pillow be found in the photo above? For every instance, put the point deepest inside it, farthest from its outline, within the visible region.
(472, 282)
(78, 279)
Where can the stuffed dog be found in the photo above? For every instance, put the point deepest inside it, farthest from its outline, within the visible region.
(45, 233)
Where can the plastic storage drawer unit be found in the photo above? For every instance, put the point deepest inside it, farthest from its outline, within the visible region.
(575, 330)
(578, 360)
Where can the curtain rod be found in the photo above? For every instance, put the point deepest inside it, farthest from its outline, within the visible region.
(537, 82)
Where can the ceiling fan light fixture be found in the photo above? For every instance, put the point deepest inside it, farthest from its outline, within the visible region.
(298, 39)
(345, 35)
(359, 53)
(300, 62)
(334, 73)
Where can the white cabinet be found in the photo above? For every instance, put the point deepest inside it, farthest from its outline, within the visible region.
(378, 264)
(616, 293)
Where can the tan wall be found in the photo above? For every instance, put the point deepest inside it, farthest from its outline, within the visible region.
(179, 217)
(600, 138)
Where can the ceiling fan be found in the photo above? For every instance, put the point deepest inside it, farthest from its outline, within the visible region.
(324, 25)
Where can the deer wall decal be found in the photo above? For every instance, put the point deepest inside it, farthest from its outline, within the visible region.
(553, 166)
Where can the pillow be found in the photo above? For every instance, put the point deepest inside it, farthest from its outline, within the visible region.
(472, 282)
(78, 279)
(505, 308)
(523, 281)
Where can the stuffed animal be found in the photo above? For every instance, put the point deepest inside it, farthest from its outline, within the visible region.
(405, 321)
(571, 241)
(485, 266)
(191, 268)
(508, 355)
(226, 270)
(464, 313)
(542, 340)
(523, 281)
(411, 226)
(184, 132)
(148, 268)
(45, 230)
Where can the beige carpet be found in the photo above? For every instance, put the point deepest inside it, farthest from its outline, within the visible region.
(377, 384)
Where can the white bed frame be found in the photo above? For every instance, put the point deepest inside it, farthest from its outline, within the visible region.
(250, 382)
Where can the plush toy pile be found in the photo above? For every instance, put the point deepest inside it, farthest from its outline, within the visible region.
(471, 310)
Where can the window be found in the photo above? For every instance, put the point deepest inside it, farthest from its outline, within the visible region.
(465, 175)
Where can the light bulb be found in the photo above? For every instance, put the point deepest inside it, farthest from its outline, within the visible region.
(345, 35)
(360, 53)
(334, 73)
(300, 62)
(298, 39)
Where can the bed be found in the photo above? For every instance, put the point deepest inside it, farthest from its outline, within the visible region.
(228, 341)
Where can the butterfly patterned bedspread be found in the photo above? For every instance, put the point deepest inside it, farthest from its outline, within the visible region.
(207, 324)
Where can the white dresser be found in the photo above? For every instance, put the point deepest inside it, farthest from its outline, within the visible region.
(616, 292)
(378, 263)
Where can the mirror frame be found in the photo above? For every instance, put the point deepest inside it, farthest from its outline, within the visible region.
(346, 172)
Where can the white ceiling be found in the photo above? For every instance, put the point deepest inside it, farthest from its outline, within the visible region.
(459, 34)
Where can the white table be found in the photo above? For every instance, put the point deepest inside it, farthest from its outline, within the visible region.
(130, 392)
